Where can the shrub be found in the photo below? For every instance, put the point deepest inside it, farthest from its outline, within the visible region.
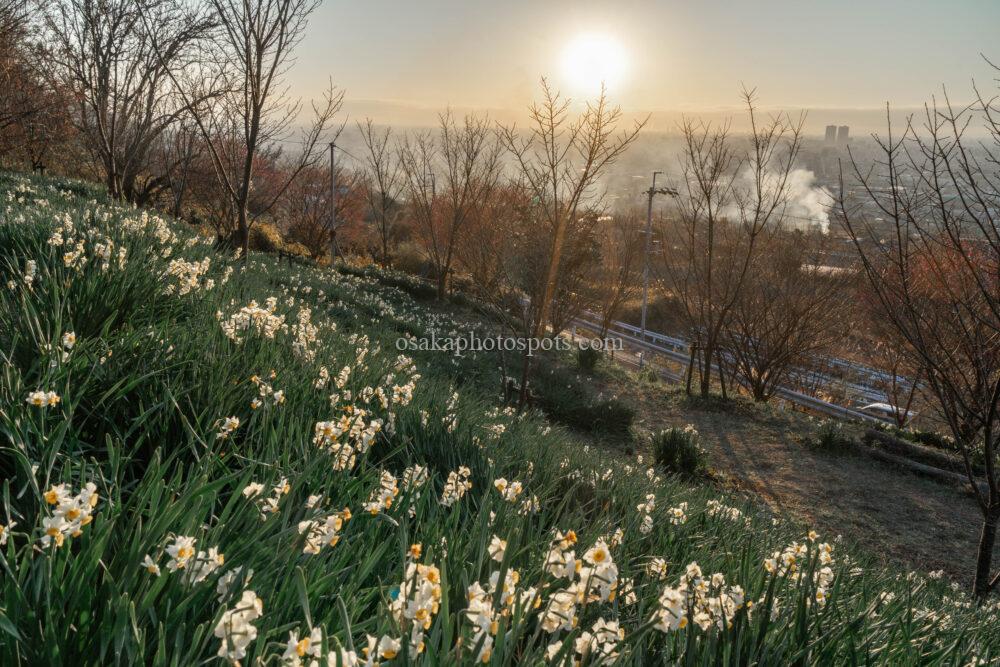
(932, 439)
(611, 416)
(587, 358)
(831, 438)
(650, 375)
(264, 237)
(409, 258)
(677, 450)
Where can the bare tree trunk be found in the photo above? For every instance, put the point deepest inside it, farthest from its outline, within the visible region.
(442, 285)
(984, 558)
(706, 370)
(722, 378)
(551, 276)
(525, 374)
(690, 369)
(241, 236)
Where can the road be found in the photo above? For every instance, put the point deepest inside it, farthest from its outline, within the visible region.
(676, 350)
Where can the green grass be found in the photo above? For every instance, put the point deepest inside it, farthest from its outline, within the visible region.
(152, 375)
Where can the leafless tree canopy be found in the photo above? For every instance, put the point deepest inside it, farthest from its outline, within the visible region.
(119, 75)
(936, 276)
(246, 110)
(450, 176)
(382, 183)
(617, 275)
(789, 312)
(731, 195)
(560, 162)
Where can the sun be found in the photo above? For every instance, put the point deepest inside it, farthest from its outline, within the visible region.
(591, 59)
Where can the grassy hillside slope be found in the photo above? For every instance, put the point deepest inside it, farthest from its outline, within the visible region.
(206, 459)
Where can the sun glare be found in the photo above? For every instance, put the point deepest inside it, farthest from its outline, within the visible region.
(592, 59)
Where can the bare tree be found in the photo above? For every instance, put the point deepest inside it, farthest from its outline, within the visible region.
(118, 73)
(25, 96)
(383, 182)
(306, 205)
(730, 196)
(790, 310)
(560, 161)
(900, 382)
(448, 179)
(249, 112)
(617, 275)
(506, 255)
(180, 152)
(491, 251)
(578, 271)
(935, 278)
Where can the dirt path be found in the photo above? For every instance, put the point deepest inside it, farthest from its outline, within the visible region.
(922, 523)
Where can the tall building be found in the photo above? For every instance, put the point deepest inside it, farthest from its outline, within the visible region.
(843, 134)
(831, 134)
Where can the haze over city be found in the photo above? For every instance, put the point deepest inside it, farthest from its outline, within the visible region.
(401, 62)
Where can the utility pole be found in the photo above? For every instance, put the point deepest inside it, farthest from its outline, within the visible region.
(651, 192)
(333, 205)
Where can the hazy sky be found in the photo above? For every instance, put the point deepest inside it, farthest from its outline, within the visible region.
(396, 57)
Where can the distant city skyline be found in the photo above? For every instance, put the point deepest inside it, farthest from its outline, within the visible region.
(401, 62)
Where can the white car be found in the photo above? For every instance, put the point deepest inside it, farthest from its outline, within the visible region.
(885, 411)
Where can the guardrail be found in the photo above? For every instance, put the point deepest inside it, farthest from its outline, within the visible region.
(869, 393)
(677, 350)
(674, 353)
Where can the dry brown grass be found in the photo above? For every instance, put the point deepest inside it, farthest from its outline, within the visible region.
(922, 523)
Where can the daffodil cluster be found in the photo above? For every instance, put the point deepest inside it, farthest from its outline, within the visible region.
(236, 629)
(266, 394)
(70, 512)
(597, 646)
(384, 495)
(704, 601)
(352, 434)
(188, 276)
(323, 532)
(646, 509)
(252, 318)
(417, 601)
(266, 504)
(43, 399)
(456, 485)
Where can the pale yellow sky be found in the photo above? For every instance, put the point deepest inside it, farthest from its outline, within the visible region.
(401, 60)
